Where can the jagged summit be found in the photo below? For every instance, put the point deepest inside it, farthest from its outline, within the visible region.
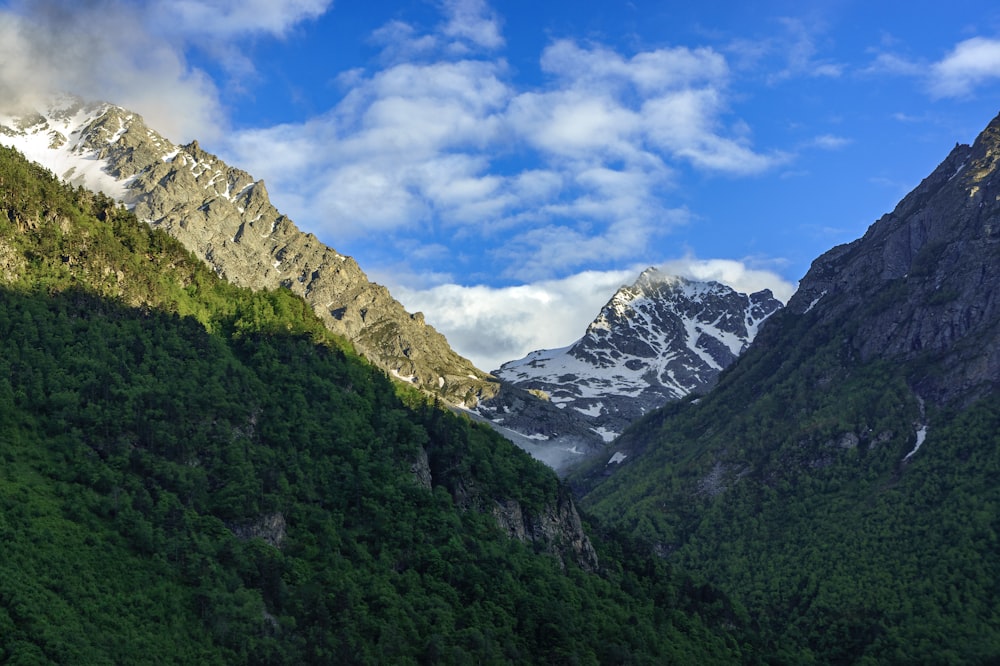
(656, 340)
(225, 216)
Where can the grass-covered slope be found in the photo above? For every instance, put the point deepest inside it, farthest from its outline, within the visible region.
(195, 473)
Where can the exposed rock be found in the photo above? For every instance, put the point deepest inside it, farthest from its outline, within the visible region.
(270, 527)
(225, 216)
(421, 469)
(556, 528)
(921, 283)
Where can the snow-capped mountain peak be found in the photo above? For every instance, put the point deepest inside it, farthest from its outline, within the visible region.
(74, 139)
(656, 340)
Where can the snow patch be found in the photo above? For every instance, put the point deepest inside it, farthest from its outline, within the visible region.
(406, 378)
(619, 457)
(921, 436)
(593, 411)
(71, 159)
(815, 301)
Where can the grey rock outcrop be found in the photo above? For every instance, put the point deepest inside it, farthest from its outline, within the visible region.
(922, 282)
(271, 528)
(557, 528)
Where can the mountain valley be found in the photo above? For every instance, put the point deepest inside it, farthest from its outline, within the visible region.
(196, 472)
(223, 444)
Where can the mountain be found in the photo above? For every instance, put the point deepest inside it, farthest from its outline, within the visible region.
(840, 479)
(200, 473)
(225, 217)
(657, 340)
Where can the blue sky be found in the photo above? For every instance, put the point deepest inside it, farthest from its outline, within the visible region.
(503, 167)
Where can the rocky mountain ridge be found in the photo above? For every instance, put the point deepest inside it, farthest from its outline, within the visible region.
(922, 277)
(225, 217)
(839, 479)
(657, 340)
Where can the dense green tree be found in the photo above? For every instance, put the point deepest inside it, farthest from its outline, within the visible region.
(196, 473)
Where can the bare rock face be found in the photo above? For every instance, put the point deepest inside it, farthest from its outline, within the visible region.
(271, 528)
(226, 218)
(922, 283)
(557, 528)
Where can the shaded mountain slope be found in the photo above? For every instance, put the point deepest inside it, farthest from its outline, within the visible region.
(840, 479)
(195, 472)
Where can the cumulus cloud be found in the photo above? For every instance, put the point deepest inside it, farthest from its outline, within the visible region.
(493, 325)
(740, 275)
(229, 19)
(134, 53)
(438, 141)
(971, 63)
(473, 21)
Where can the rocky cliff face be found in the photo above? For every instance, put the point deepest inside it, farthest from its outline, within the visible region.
(557, 528)
(225, 217)
(656, 340)
(921, 282)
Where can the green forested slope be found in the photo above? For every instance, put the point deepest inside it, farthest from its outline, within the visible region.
(193, 473)
(789, 488)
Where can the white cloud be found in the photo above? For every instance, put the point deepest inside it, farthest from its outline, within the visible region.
(228, 19)
(971, 63)
(740, 275)
(134, 53)
(800, 50)
(492, 325)
(649, 71)
(574, 124)
(891, 63)
(829, 142)
(572, 172)
(474, 22)
(103, 50)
